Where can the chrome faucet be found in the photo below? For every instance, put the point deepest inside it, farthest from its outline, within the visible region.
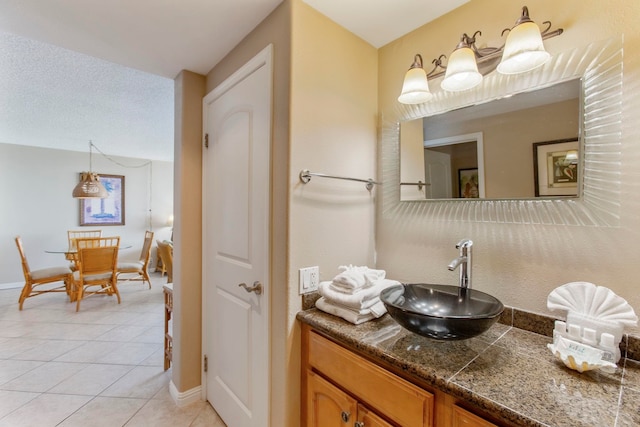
(464, 261)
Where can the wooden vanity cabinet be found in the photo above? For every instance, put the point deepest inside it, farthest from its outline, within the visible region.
(329, 406)
(343, 389)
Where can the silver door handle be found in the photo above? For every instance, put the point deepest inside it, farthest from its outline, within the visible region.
(257, 287)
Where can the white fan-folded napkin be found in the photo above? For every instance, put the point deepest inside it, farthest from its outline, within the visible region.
(596, 319)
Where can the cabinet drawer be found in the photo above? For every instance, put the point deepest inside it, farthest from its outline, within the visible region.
(464, 418)
(400, 401)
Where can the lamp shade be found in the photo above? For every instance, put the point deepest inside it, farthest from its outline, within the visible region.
(523, 50)
(462, 70)
(90, 187)
(415, 89)
(572, 156)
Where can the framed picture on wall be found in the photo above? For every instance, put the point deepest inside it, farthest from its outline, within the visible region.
(107, 211)
(555, 167)
(468, 183)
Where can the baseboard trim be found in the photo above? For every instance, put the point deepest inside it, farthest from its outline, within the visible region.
(13, 285)
(184, 398)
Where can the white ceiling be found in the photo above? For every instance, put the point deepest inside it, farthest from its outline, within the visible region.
(382, 21)
(78, 70)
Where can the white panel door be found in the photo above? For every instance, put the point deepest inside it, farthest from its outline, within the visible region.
(438, 174)
(236, 184)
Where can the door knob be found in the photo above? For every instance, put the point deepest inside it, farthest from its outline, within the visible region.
(257, 287)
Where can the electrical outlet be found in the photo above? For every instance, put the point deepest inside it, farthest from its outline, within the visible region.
(308, 279)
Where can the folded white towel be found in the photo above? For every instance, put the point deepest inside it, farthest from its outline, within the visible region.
(369, 310)
(378, 309)
(358, 300)
(353, 278)
(350, 316)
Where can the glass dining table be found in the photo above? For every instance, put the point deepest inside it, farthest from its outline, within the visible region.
(70, 254)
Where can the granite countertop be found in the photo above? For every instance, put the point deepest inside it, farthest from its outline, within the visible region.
(508, 372)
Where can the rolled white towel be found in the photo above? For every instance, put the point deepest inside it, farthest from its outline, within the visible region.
(353, 278)
(358, 300)
(350, 281)
(350, 316)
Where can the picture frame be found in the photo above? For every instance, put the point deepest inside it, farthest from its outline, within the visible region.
(107, 211)
(468, 183)
(553, 173)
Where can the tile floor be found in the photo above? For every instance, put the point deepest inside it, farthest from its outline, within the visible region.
(101, 366)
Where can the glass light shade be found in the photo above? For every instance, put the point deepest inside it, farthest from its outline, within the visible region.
(523, 50)
(462, 71)
(572, 155)
(90, 187)
(415, 89)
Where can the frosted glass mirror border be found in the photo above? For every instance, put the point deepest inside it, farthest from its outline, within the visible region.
(599, 65)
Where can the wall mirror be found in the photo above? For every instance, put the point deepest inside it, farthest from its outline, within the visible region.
(597, 70)
(503, 149)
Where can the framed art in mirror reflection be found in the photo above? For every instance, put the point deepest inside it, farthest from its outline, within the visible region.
(468, 183)
(555, 169)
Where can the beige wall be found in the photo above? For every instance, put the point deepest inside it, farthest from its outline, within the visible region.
(187, 255)
(333, 131)
(521, 264)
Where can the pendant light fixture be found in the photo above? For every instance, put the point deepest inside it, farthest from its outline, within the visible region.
(90, 186)
(415, 89)
(462, 69)
(523, 50)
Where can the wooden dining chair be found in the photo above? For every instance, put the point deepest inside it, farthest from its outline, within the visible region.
(167, 290)
(165, 251)
(97, 242)
(35, 279)
(72, 235)
(141, 266)
(97, 268)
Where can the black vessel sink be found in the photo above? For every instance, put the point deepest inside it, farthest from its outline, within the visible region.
(441, 312)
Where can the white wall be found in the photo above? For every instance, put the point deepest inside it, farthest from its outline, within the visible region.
(36, 203)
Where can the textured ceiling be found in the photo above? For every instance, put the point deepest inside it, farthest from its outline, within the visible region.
(56, 98)
(78, 70)
(54, 92)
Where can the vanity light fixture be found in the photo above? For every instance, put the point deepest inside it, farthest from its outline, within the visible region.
(462, 70)
(90, 186)
(415, 89)
(522, 52)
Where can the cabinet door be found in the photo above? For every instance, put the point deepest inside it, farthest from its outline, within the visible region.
(367, 418)
(464, 418)
(401, 402)
(328, 406)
